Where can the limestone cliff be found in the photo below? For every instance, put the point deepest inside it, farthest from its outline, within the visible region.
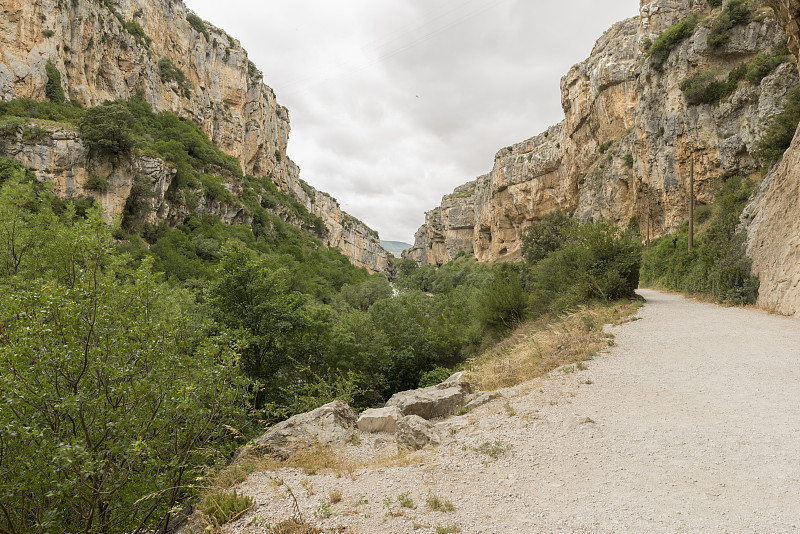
(628, 137)
(109, 49)
(774, 217)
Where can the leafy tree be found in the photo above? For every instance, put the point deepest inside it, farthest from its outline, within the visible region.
(253, 300)
(545, 236)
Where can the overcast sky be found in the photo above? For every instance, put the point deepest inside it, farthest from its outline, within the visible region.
(393, 103)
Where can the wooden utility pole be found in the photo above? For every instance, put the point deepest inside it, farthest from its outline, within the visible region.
(691, 205)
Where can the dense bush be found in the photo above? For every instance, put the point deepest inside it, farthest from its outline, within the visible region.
(198, 24)
(717, 265)
(503, 302)
(67, 112)
(780, 130)
(670, 39)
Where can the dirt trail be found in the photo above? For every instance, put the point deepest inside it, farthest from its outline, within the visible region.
(693, 426)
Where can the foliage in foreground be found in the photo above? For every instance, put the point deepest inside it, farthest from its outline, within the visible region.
(108, 387)
(717, 266)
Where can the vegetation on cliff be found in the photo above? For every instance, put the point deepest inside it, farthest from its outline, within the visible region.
(780, 130)
(717, 265)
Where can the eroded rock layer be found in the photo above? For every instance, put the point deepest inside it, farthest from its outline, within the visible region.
(113, 49)
(628, 138)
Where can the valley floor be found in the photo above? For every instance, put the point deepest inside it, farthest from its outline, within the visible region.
(691, 423)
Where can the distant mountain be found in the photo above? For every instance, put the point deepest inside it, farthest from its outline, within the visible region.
(395, 247)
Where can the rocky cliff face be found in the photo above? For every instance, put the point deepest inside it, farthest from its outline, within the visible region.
(109, 49)
(628, 138)
(773, 224)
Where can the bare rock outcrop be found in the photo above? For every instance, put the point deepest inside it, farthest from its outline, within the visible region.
(773, 219)
(414, 432)
(379, 419)
(440, 400)
(177, 62)
(331, 424)
(627, 140)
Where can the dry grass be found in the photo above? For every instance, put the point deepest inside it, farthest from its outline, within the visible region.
(538, 347)
(294, 526)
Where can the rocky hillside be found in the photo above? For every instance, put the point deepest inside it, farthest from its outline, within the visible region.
(774, 217)
(637, 112)
(110, 49)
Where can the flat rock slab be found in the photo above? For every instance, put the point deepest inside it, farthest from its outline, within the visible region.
(440, 400)
(379, 419)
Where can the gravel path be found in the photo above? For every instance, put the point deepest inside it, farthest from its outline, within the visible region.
(691, 423)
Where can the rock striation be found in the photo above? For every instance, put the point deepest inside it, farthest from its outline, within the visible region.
(158, 49)
(627, 141)
(773, 219)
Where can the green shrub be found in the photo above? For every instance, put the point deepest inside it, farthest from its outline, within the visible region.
(628, 159)
(595, 261)
(214, 187)
(702, 213)
(503, 304)
(704, 88)
(735, 12)
(11, 168)
(48, 33)
(198, 24)
(66, 112)
(95, 183)
(605, 146)
(53, 90)
(715, 3)
(763, 64)
(135, 30)
(670, 39)
(780, 130)
(435, 376)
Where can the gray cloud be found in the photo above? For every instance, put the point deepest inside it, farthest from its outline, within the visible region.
(394, 103)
